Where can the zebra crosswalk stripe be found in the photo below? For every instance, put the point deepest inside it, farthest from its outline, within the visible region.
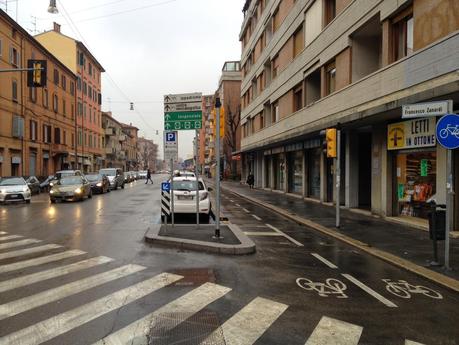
(249, 324)
(18, 243)
(185, 306)
(335, 332)
(27, 251)
(3, 233)
(51, 295)
(64, 322)
(52, 273)
(10, 237)
(40, 260)
(410, 342)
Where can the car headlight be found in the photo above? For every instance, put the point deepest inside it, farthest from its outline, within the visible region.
(51, 191)
(78, 190)
(51, 184)
(203, 196)
(99, 184)
(3, 191)
(25, 189)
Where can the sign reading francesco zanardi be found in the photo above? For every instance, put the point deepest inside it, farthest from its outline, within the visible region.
(411, 134)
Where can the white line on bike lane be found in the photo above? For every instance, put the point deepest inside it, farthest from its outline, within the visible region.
(369, 290)
(325, 261)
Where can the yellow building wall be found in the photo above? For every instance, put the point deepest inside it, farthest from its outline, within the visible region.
(64, 48)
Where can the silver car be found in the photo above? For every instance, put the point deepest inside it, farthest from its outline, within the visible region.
(115, 176)
(14, 189)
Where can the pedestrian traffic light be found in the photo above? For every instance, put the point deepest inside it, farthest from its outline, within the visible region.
(36, 74)
(330, 137)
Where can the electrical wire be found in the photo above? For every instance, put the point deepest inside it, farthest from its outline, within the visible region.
(78, 33)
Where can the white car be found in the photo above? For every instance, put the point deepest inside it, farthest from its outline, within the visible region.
(14, 189)
(185, 197)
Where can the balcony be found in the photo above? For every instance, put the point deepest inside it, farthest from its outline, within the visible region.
(59, 148)
(122, 137)
(110, 150)
(109, 131)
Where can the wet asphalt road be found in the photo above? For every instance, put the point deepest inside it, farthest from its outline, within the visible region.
(113, 226)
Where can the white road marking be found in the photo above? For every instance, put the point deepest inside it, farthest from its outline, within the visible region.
(11, 237)
(410, 342)
(246, 210)
(256, 217)
(335, 332)
(369, 290)
(325, 261)
(48, 296)
(62, 323)
(3, 232)
(19, 243)
(52, 273)
(237, 205)
(285, 235)
(27, 251)
(249, 324)
(40, 260)
(262, 233)
(183, 307)
(231, 200)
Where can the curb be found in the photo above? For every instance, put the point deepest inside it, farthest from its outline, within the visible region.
(247, 246)
(438, 278)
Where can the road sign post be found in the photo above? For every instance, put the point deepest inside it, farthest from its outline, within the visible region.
(447, 133)
(172, 192)
(197, 178)
(217, 174)
(338, 175)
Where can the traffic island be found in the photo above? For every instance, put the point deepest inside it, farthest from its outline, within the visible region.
(186, 236)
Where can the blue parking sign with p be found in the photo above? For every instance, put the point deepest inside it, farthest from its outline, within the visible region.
(171, 137)
(166, 186)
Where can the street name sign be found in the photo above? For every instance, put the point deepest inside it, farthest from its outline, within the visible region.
(448, 131)
(438, 108)
(183, 111)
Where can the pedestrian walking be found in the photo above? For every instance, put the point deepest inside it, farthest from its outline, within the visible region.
(250, 180)
(148, 177)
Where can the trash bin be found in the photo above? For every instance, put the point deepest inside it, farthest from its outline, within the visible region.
(437, 225)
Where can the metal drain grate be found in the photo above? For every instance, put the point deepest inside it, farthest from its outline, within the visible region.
(195, 276)
(186, 329)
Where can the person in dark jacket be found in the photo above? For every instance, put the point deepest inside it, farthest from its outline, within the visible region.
(148, 177)
(250, 180)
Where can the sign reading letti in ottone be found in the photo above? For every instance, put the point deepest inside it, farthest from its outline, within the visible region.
(438, 108)
(411, 134)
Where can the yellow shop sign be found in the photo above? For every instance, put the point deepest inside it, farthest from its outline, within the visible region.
(411, 134)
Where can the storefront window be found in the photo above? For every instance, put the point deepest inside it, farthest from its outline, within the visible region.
(279, 172)
(314, 173)
(416, 176)
(295, 172)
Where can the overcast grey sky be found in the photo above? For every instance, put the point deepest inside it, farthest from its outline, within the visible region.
(149, 48)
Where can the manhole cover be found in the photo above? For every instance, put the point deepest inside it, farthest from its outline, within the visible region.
(195, 276)
(186, 328)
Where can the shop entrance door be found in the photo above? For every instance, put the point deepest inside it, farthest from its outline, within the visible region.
(330, 183)
(365, 170)
(314, 173)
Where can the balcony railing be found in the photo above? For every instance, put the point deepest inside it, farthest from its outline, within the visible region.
(109, 131)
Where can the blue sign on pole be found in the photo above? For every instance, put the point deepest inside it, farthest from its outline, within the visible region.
(171, 137)
(166, 186)
(448, 131)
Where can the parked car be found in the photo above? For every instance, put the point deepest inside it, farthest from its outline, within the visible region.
(14, 189)
(185, 197)
(127, 177)
(33, 183)
(70, 188)
(136, 175)
(115, 176)
(143, 174)
(63, 173)
(99, 183)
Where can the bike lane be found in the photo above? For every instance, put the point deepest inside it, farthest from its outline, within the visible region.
(325, 277)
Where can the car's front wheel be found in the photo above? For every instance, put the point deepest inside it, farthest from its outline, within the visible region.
(27, 201)
(90, 194)
(204, 218)
(122, 186)
(53, 201)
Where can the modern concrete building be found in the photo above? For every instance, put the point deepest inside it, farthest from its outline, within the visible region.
(313, 64)
(206, 138)
(76, 56)
(129, 146)
(37, 125)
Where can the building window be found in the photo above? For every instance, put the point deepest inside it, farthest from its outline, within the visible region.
(90, 69)
(55, 103)
(64, 107)
(14, 57)
(330, 11)
(90, 91)
(14, 90)
(72, 111)
(57, 135)
(73, 140)
(1, 50)
(275, 112)
(33, 94)
(72, 88)
(47, 134)
(275, 66)
(79, 83)
(85, 88)
(33, 130)
(64, 82)
(45, 98)
(402, 35)
(56, 77)
(330, 78)
(18, 127)
(64, 138)
(276, 20)
(298, 41)
(297, 98)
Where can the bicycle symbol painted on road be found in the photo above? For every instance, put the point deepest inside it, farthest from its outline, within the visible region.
(330, 287)
(449, 130)
(403, 289)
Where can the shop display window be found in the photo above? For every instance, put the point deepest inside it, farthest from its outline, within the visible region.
(416, 182)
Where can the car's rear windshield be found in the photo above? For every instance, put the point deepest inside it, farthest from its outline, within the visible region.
(187, 186)
(108, 172)
(93, 178)
(70, 180)
(12, 181)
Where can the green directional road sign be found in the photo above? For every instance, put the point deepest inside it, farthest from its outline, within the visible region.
(183, 120)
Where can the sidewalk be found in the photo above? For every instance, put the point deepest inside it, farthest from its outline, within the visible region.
(396, 243)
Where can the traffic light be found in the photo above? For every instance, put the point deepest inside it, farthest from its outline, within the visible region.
(330, 137)
(36, 74)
